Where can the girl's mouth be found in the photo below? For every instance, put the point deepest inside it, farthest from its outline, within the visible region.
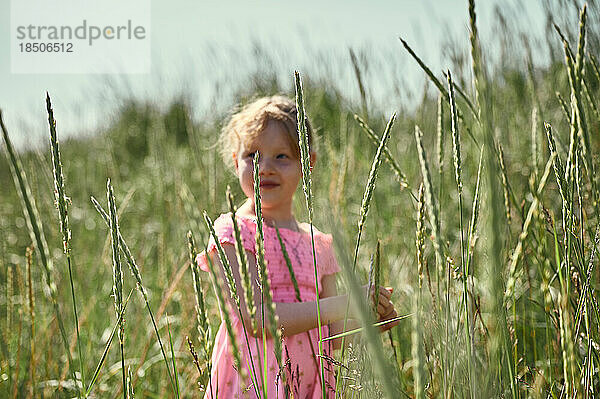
(268, 185)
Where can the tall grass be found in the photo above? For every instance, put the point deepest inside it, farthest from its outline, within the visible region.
(307, 188)
(61, 205)
(135, 270)
(510, 308)
(36, 234)
(117, 277)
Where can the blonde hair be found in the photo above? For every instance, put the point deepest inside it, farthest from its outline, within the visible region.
(247, 124)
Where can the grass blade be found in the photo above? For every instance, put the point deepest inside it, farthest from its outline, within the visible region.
(36, 233)
(306, 186)
(135, 270)
(223, 307)
(263, 272)
(389, 157)
(117, 276)
(107, 346)
(203, 327)
(175, 375)
(361, 329)
(380, 362)
(61, 205)
(364, 210)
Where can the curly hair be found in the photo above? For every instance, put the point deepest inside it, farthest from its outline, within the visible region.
(247, 123)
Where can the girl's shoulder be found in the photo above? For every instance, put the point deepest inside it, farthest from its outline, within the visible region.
(225, 233)
(324, 238)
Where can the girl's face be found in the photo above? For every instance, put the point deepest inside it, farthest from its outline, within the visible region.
(279, 170)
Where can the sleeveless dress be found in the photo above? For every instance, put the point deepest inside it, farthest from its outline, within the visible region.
(300, 351)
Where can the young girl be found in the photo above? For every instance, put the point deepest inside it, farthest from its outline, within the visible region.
(269, 126)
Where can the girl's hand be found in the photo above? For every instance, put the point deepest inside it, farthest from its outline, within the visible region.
(385, 307)
(392, 314)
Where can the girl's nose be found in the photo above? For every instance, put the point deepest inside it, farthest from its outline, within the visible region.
(264, 165)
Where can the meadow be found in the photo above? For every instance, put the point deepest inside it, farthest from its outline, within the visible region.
(481, 207)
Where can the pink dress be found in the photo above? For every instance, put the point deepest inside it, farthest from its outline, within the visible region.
(302, 368)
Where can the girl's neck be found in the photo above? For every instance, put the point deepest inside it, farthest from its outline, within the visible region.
(281, 219)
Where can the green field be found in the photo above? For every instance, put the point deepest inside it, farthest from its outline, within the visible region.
(494, 262)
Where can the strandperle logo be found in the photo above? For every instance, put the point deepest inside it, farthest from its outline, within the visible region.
(85, 31)
(74, 36)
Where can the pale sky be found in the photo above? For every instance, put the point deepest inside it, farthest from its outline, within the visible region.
(204, 49)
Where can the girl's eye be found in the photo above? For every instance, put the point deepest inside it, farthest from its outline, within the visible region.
(282, 156)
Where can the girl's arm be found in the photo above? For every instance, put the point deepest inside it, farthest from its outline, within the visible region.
(295, 317)
(329, 289)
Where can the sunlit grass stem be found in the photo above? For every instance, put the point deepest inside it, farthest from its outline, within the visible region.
(307, 188)
(233, 292)
(31, 309)
(117, 277)
(201, 314)
(135, 270)
(433, 212)
(294, 281)
(401, 176)
(364, 210)
(36, 233)
(61, 203)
